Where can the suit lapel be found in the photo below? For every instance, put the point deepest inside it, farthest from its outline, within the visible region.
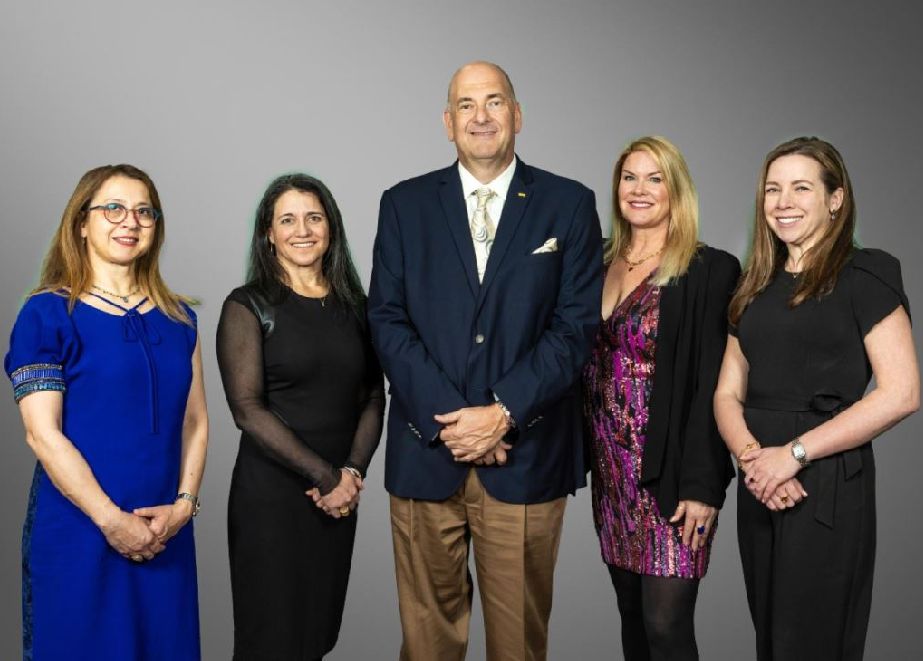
(517, 199)
(456, 216)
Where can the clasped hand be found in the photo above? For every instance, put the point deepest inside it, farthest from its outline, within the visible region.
(145, 532)
(344, 494)
(770, 477)
(475, 434)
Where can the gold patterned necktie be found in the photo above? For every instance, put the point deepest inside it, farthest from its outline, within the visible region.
(482, 230)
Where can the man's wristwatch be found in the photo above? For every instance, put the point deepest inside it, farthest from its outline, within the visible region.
(799, 453)
(506, 412)
(196, 505)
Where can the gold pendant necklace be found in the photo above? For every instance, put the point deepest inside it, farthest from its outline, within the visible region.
(633, 263)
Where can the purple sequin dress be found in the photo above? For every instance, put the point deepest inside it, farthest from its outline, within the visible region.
(633, 535)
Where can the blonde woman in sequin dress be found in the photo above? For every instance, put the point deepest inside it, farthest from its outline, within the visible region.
(659, 467)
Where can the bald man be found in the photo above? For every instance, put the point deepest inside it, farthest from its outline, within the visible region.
(484, 300)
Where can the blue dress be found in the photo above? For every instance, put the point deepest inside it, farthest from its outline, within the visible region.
(125, 381)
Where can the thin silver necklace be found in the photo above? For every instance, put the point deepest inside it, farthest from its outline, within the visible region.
(124, 297)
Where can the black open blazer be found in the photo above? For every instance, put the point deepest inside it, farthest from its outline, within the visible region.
(684, 456)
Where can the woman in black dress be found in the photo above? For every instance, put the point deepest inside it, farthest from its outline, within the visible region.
(814, 317)
(305, 389)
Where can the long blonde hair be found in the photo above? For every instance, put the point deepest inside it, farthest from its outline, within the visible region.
(67, 264)
(683, 230)
(825, 259)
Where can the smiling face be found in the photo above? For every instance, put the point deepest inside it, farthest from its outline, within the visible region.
(299, 231)
(117, 243)
(796, 204)
(482, 117)
(644, 200)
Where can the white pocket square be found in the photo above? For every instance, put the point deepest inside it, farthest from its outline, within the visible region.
(551, 245)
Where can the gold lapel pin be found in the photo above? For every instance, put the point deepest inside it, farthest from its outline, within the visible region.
(521, 194)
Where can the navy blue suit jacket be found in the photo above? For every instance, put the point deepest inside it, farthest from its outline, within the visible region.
(446, 341)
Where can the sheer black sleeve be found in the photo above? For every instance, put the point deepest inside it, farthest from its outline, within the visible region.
(371, 416)
(240, 360)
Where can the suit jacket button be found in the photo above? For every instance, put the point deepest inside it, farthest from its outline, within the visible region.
(479, 339)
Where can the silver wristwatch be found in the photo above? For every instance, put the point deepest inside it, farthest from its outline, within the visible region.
(196, 505)
(799, 453)
(506, 412)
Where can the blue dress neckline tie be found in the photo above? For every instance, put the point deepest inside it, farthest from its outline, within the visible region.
(136, 329)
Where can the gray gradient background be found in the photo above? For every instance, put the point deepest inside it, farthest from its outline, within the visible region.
(214, 99)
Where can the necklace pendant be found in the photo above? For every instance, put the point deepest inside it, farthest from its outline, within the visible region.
(124, 299)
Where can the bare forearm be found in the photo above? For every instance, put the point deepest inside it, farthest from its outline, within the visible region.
(192, 463)
(729, 414)
(875, 413)
(71, 475)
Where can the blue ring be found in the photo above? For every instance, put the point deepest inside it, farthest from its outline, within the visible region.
(700, 530)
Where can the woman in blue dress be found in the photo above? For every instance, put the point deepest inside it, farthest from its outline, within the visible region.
(106, 369)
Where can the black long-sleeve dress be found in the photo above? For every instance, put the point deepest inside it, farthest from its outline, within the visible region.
(305, 388)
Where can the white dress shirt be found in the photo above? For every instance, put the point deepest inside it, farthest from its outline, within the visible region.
(500, 186)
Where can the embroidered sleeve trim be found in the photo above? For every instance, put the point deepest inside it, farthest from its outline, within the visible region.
(38, 376)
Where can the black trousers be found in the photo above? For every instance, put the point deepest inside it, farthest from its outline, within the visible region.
(808, 570)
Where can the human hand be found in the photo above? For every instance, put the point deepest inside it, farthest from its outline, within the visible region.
(497, 457)
(166, 520)
(767, 469)
(474, 431)
(130, 536)
(788, 494)
(342, 499)
(698, 519)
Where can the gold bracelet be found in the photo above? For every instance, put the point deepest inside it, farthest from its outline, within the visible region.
(747, 448)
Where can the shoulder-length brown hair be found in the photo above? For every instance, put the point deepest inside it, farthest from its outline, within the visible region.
(67, 265)
(683, 232)
(825, 259)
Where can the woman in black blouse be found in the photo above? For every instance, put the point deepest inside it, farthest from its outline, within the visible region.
(305, 389)
(814, 317)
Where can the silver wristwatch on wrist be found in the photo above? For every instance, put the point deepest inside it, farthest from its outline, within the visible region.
(506, 412)
(196, 505)
(799, 453)
(352, 470)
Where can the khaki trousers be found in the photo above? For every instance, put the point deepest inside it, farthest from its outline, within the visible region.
(515, 550)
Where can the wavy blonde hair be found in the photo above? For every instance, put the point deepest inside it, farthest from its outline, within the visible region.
(67, 265)
(683, 230)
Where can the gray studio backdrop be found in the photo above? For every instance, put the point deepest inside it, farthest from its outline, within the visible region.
(214, 99)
